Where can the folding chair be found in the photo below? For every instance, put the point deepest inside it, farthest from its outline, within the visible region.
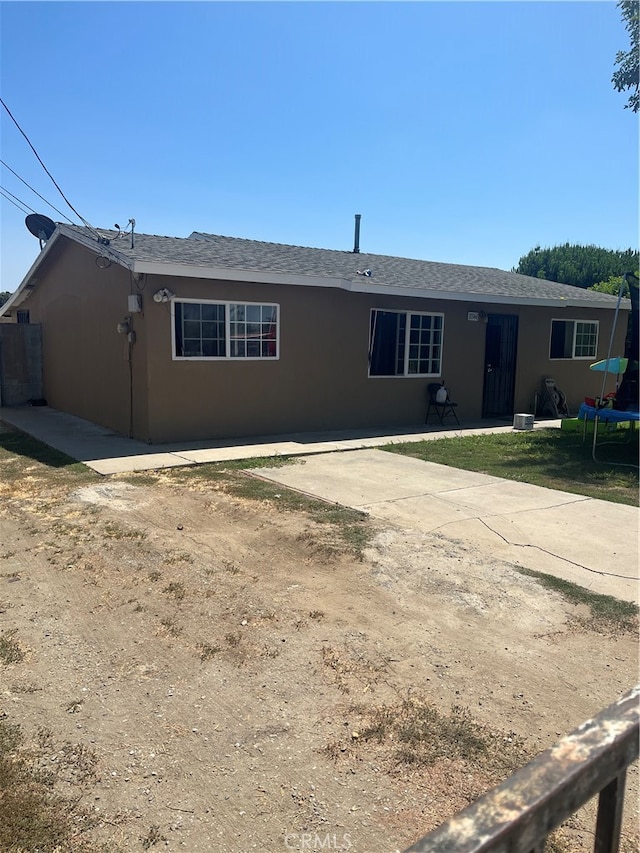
(442, 408)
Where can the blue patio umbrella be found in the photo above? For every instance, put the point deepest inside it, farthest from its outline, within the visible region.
(610, 365)
(615, 365)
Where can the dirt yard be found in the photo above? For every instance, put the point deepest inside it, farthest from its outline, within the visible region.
(201, 668)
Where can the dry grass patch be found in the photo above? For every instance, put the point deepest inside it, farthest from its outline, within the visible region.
(171, 626)
(26, 465)
(451, 757)
(10, 651)
(153, 837)
(33, 815)
(207, 651)
(351, 669)
(606, 614)
(176, 589)
(413, 734)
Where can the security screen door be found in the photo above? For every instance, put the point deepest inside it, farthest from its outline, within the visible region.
(501, 346)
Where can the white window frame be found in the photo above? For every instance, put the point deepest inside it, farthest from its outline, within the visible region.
(573, 356)
(405, 374)
(228, 303)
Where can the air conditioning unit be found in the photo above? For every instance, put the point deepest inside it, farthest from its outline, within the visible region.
(522, 421)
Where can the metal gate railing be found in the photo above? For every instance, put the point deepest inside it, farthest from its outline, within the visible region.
(519, 814)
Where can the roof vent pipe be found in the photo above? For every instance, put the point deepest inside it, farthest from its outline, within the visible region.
(356, 239)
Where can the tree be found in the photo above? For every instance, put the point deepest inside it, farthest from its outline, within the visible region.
(581, 266)
(4, 295)
(627, 75)
(612, 285)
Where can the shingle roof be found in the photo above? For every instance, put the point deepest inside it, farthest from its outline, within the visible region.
(387, 270)
(400, 274)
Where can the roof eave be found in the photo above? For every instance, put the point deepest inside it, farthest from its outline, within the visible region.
(93, 245)
(237, 274)
(495, 299)
(27, 284)
(364, 286)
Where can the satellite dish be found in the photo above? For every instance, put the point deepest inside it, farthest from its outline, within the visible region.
(40, 226)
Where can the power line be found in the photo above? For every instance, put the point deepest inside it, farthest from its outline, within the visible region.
(2, 193)
(82, 219)
(24, 203)
(6, 165)
(107, 250)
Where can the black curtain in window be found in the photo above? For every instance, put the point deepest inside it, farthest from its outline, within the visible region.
(178, 328)
(561, 338)
(384, 333)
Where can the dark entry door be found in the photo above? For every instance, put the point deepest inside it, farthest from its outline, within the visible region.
(501, 345)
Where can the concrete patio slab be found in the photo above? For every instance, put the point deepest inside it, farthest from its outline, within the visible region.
(109, 453)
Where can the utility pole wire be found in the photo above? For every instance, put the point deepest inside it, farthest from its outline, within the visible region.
(23, 203)
(6, 165)
(21, 209)
(82, 219)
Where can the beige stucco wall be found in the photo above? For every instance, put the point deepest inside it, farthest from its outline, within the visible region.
(320, 381)
(85, 360)
(573, 377)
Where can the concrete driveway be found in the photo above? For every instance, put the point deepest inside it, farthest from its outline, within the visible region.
(590, 542)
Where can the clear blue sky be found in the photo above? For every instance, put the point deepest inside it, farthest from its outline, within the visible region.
(464, 132)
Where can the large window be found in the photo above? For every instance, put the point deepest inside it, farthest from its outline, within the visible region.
(573, 339)
(225, 330)
(405, 343)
